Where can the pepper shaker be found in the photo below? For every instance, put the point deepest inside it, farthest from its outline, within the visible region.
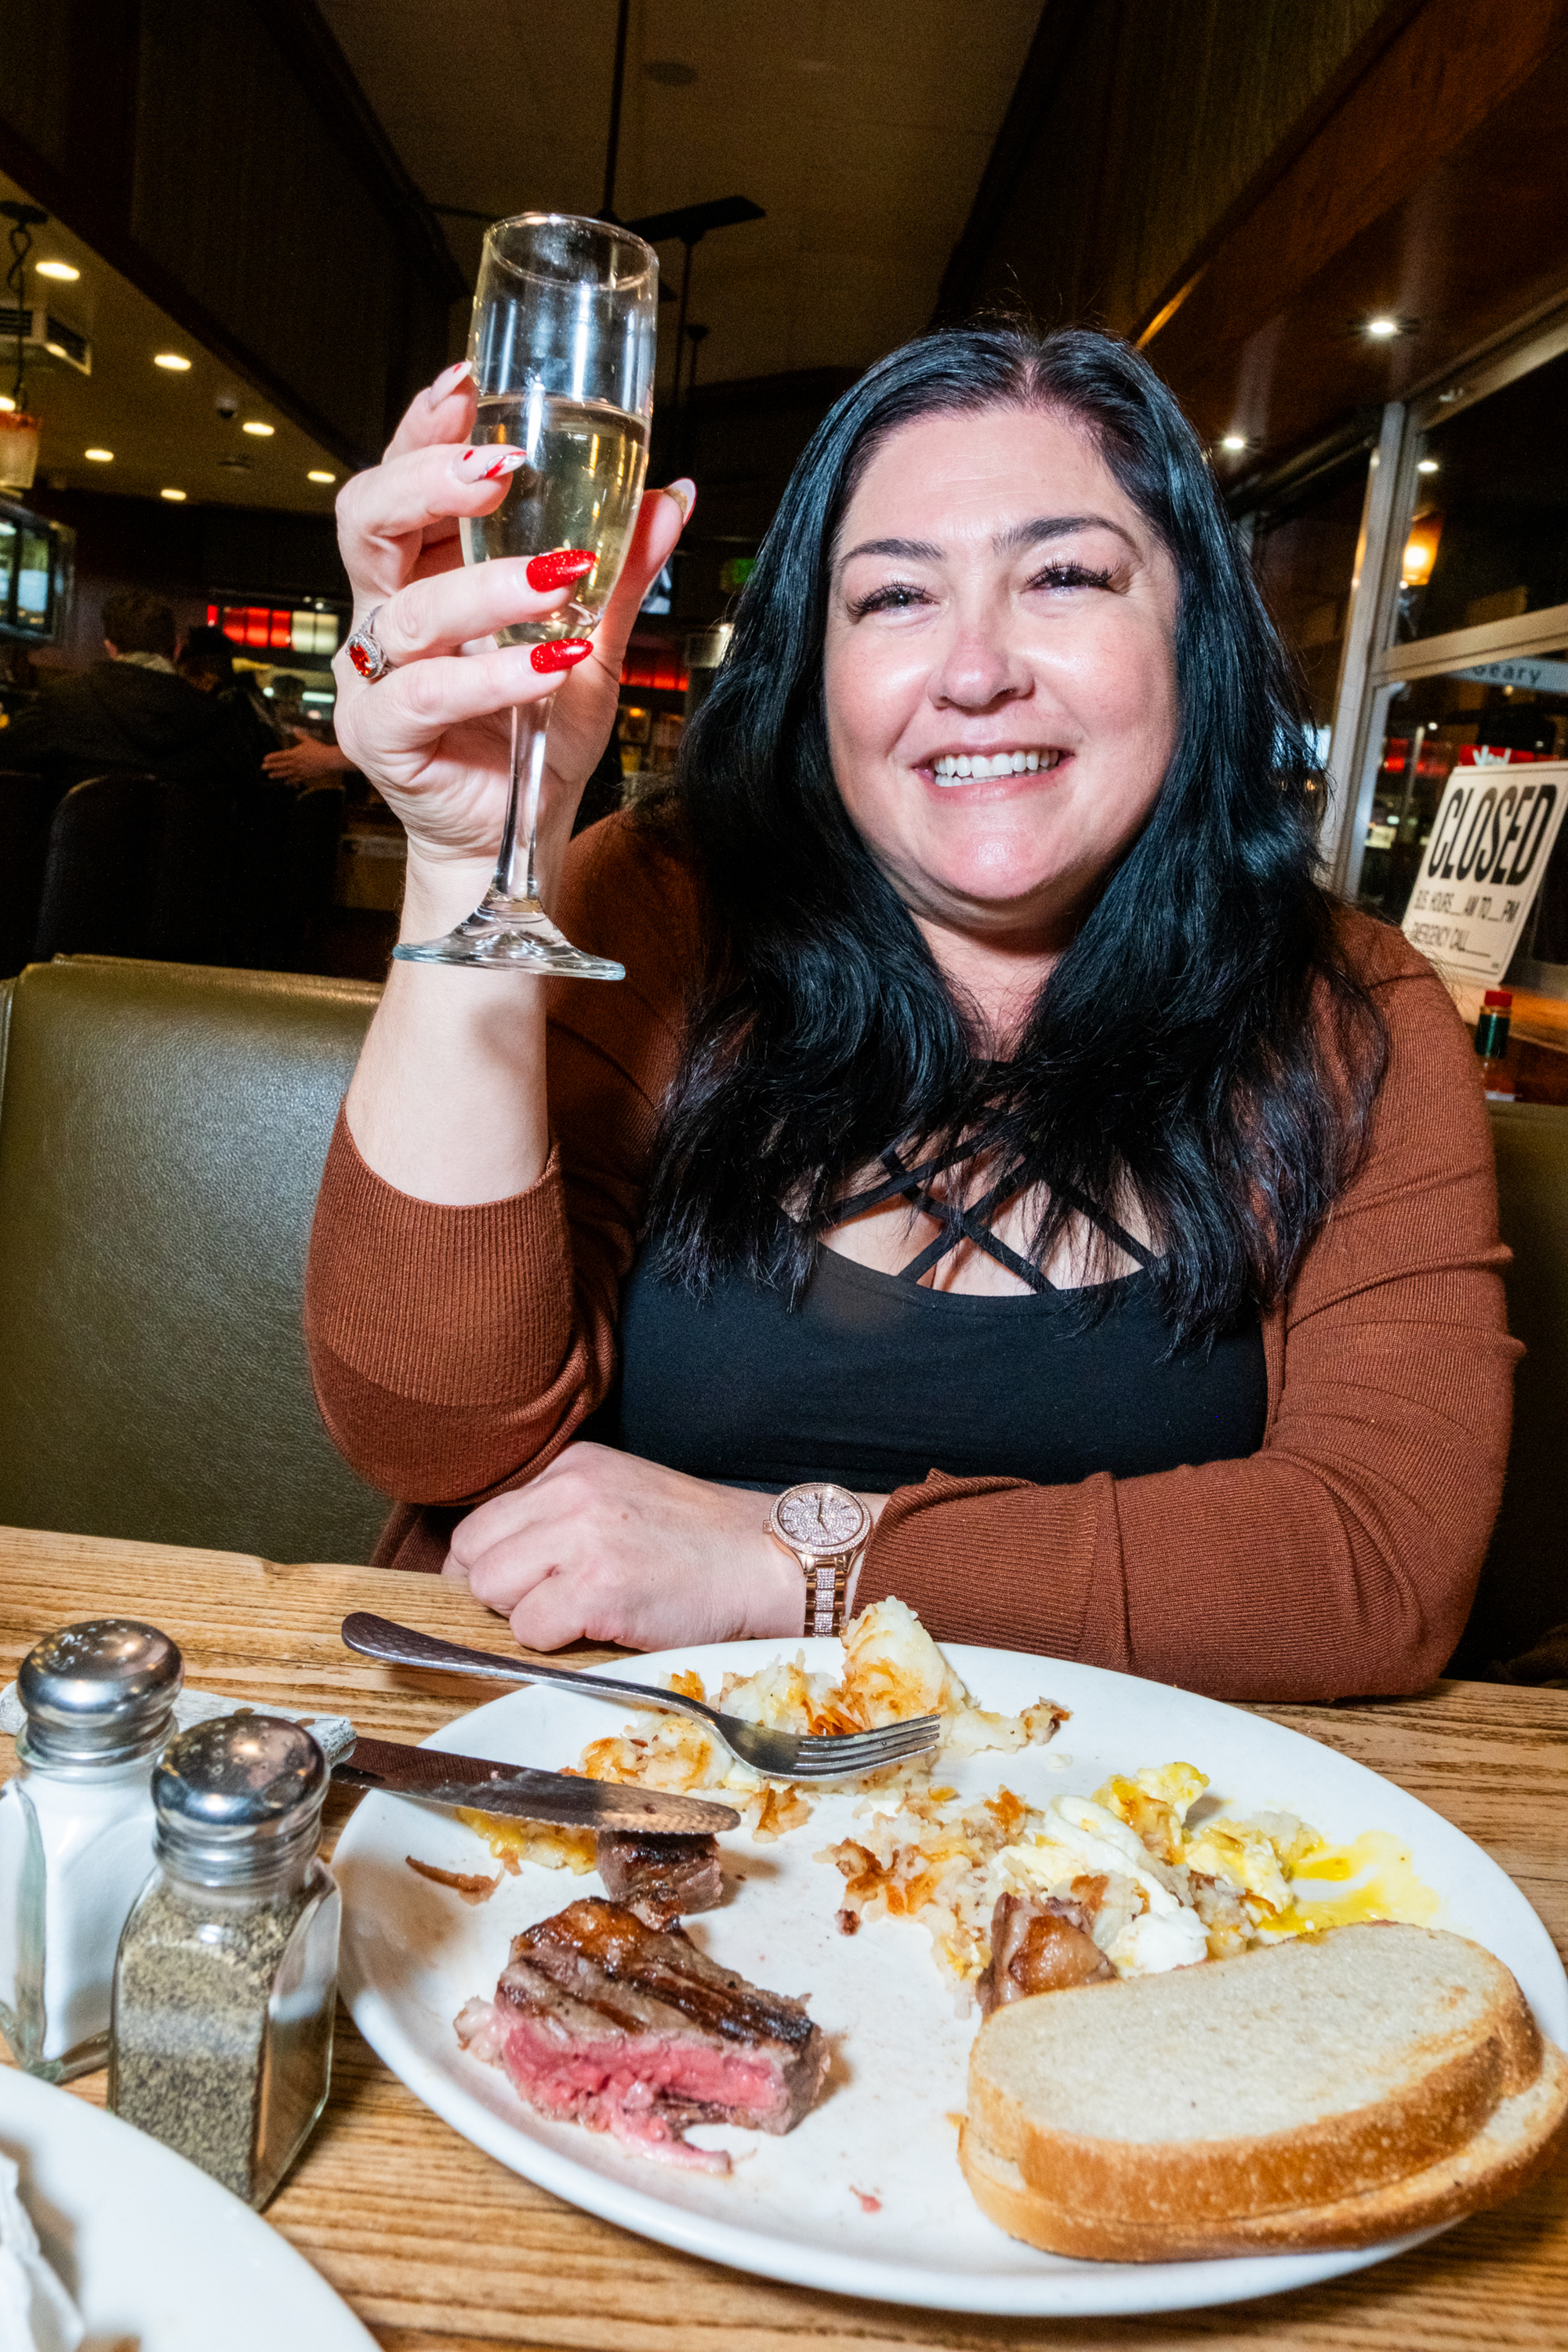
(75, 1833)
(225, 1984)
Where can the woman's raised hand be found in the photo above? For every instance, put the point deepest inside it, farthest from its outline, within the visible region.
(434, 733)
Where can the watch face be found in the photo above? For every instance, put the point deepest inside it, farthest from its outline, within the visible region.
(821, 1517)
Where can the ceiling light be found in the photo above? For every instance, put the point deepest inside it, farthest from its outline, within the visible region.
(317, 474)
(1381, 329)
(178, 496)
(5, 401)
(1427, 465)
(100, 457)
(60, 269)
(175, 362)
(262, 432)
(1233, 442)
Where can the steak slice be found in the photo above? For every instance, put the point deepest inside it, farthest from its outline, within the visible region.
(658, 1876)
(601, 2019)
(1042, 1943)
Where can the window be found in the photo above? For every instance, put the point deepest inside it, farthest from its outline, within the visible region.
(1303, 553)
(1503, 714)
(1488, 539)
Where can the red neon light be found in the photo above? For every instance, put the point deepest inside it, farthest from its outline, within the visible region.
(654, 666)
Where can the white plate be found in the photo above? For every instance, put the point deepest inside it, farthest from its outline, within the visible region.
(156, 2254)
(413, 1953)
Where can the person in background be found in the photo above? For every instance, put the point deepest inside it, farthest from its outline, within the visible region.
(133, 711)
(205, 660)
(306, 761)
(303, 759)
(287, 698)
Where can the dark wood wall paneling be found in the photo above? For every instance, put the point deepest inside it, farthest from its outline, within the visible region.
(1235, 184)
(1136, 123)
(1436, 190)
(224, 158)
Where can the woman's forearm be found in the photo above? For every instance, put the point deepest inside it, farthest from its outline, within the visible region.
(449, 1102)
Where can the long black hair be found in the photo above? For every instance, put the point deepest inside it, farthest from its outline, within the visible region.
(1201, 1049)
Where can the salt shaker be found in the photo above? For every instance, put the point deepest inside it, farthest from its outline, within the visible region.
(75, 1833)
(225, 1985)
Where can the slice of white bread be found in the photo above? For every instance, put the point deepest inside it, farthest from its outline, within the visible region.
(1288, 2078)
(1519, 2140)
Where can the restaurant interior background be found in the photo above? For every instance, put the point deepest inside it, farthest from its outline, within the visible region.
(1337, 231)
(1337, 228)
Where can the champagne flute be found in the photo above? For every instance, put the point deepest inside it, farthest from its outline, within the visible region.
(563, 347)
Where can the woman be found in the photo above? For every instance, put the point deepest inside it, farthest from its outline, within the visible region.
(982, 944)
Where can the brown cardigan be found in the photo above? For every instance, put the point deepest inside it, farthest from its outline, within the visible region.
(456, 1352)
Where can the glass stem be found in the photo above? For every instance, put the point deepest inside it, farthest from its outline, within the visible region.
(517, 879)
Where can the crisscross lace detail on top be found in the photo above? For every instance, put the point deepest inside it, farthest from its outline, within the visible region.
(972, 1224)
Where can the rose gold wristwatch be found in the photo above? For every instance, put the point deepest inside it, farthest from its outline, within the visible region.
(825, 1527)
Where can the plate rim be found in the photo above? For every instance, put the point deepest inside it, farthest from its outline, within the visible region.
(1049, 2295)
(37, 2100)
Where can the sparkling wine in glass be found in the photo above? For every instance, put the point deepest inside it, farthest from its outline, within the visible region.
(562, 346)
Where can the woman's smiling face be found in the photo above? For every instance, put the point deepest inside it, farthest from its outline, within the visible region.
(997, 599)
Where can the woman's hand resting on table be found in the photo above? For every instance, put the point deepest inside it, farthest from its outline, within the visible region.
(603, 1546)
(434, 734)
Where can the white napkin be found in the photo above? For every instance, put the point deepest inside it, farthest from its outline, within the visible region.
(37, 2314)
(335, 1732)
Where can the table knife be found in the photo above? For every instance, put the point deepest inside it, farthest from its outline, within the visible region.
(440, 1779)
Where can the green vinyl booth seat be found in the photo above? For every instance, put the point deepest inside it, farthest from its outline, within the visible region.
(1524, 1584)
(162, 1130)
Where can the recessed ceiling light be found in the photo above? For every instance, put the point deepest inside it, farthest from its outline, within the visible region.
(1381, 329)
(100, 457)
(1233, 442)
(177, 495)
(60, 269)
(262, 432)
(316, 475)
(1427, 465)
(175, 362)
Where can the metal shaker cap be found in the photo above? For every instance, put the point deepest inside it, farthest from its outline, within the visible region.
(99, 1693)
(239, 1797)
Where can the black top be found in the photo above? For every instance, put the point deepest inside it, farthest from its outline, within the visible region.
(873, 1380)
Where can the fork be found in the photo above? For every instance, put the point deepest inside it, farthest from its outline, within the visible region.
(776, 1755)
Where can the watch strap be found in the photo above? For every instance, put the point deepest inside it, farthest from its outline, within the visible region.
(827, 1577)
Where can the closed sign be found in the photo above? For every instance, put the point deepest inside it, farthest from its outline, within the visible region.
(1483, 865)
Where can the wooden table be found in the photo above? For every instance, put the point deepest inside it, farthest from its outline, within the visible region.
(439, 2249)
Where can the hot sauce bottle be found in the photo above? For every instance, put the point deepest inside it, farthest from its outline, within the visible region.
(1492, 1045)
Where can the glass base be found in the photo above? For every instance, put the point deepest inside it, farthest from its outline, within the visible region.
(510, 934)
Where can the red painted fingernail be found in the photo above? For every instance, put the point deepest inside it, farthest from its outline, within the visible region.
(560, 567)
(562, 653)
(484, 464)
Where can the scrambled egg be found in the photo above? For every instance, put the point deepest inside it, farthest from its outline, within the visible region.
(513, 1841)
(892, 1671)
(1153, 1891)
